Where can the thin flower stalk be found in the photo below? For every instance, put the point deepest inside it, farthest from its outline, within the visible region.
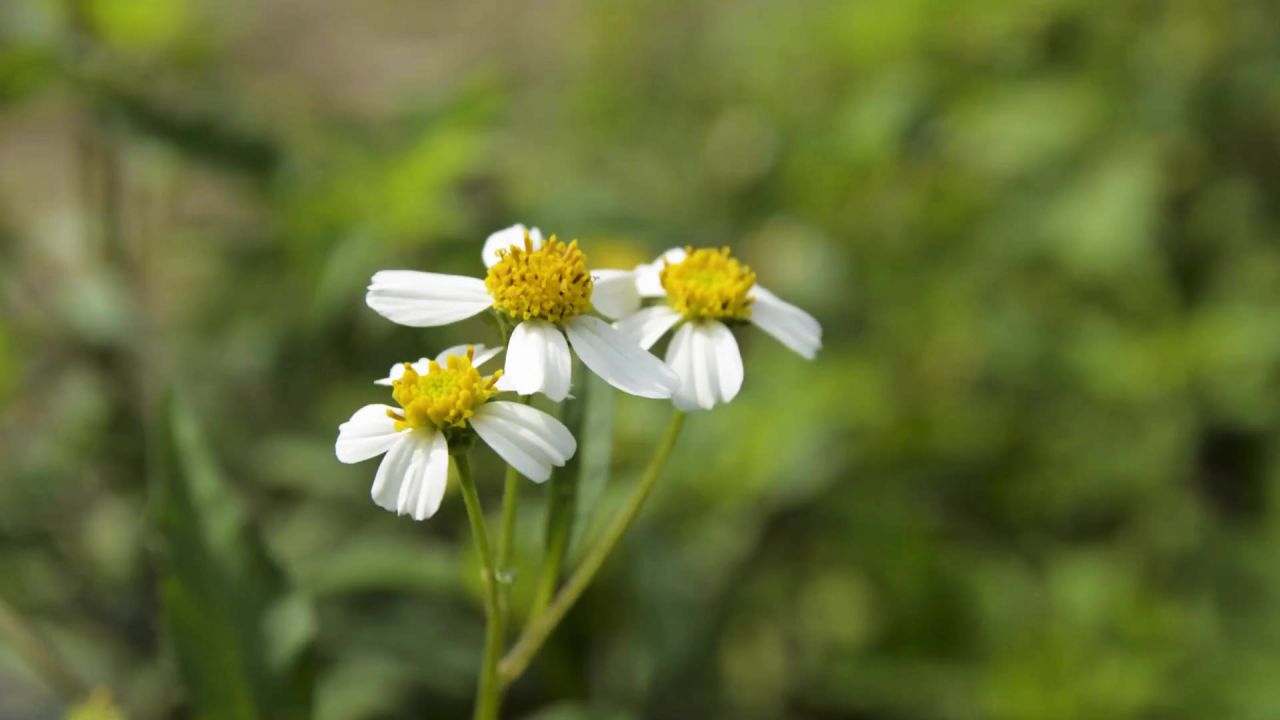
(488, 691)
(541, 627)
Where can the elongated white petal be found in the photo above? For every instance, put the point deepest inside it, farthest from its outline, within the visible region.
(725, 367)
(680, 359)
(393, 470)
(412, 477)
(620, 361)
(792, 326)
(537, 361)
(555, 439)
(369, 433)
(614, 293)
(431, 466)
(504, 239)
(528, 439)
(483, 354)
(422, 299)
(648, 282)
(648, 326)
(411, 480)
(706, 357)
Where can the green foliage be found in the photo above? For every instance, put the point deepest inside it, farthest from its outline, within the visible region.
(1031, 475)
(595, 451)
(241, 636)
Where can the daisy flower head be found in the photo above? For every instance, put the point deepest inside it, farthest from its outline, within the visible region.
(702, 293)
(544, 289)
(446, 405)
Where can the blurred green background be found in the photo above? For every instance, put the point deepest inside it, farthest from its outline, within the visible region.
(1032, 474)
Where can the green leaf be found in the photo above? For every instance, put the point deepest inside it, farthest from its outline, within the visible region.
(595, 453)
(381, 563)
(241, 639)
(576, 488)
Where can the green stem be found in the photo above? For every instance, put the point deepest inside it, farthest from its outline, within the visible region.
(540, 627)
(488, 690)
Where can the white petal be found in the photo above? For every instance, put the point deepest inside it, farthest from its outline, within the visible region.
(620, 361)
(369, 432)
(422, 299)
(614, 293)
(530, 440)
(483, 354)
(392, 375)
(680, 358)
(792, 326)
(411, 481)
(412, 477)
(431, 465)
(504, 239)
(725, 359)
(648, 282)
(393, 470)
(706, 357)
(647, 326)
(551, 434)
(537, 361)
(397, 371)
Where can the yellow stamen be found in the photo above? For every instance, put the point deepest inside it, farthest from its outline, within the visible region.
(709, 284)
(443, 396)
(550, 283)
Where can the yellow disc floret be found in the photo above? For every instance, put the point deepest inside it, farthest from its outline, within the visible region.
(443, 396)
(709, 284)
(550, 283)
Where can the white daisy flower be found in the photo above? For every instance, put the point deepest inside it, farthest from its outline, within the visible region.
(546, 288)
(704, 289)
(439, 407)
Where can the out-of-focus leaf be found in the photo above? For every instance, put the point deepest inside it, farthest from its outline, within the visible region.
(575, 711)
(562, 496)
(100, 705)
(401, 190)
(240, 638)
(8, 367)
(204, 135)
(138, 26)
(595, 452)
(576, 488)
(381, 563)
(361, 686)
(23, 71)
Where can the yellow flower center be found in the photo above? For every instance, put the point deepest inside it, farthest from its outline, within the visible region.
(550, 283)
(709, 284)
(443, 396)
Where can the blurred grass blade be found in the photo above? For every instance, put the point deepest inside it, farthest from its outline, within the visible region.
(577, 486)
(241, 639)
(595, 452)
